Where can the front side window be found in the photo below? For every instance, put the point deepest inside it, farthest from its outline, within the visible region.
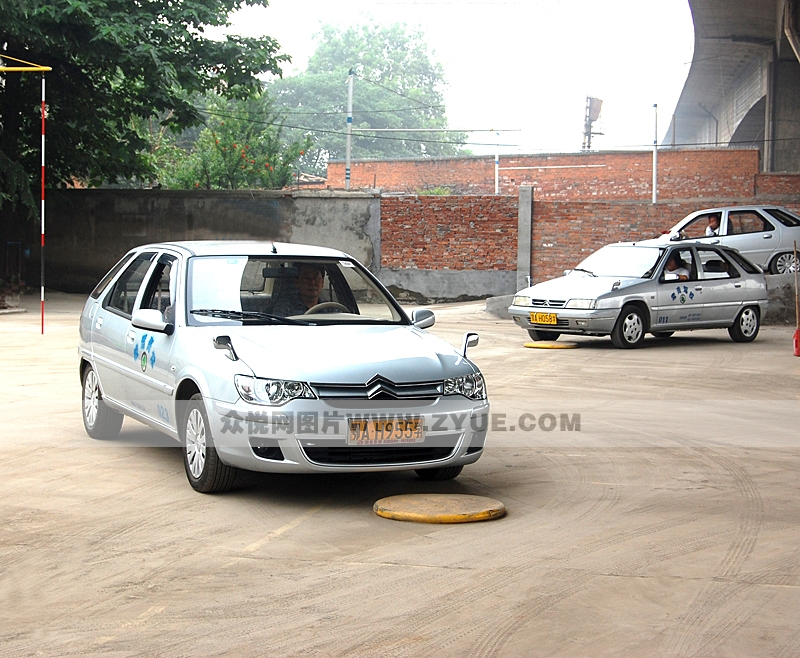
(123, 295)
(269, 289)
(702, 226)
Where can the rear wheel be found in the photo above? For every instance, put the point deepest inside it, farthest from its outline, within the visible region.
(205, 470)
(745, 327)
(100, 421)
(783, 264)
(439, 474)
(536, 334)
(629, 329)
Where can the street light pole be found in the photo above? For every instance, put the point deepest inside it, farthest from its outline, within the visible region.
(349, 128)
(655, 156)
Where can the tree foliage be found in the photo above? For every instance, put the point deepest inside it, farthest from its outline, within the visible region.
(115, 63)
(240, 147)
(398, 85)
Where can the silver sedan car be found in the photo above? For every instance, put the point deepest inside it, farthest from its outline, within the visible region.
(626, 290)
(764, 234)
(275, 357)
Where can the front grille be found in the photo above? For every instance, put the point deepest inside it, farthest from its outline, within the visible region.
(551, 303)
(379, 388)
(559, 323)
(375, 456)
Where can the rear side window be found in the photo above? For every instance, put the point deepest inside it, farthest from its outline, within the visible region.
(745, 264)
(785, 218)
(123, 294)
(100, 287)
(747, 221)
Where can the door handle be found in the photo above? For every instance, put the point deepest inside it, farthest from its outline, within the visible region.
(699, 288)
(131, 337)
(714, 241)
(99, 323)
(737, 285)
(766, 236)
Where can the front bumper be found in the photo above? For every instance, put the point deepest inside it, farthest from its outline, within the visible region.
(591, 322)
(312, 435)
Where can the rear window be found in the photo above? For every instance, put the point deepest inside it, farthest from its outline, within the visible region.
(784, 216)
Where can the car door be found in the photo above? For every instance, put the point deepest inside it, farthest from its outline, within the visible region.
(749, 232)
(679, 303)
(152, 380)
(721, 287)
(110, 326)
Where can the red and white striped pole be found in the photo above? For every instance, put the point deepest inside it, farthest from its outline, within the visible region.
(42, 247)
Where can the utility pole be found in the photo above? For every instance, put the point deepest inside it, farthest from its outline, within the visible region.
(593, 106)
(349, 128)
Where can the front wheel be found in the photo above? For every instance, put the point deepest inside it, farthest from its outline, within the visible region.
(535, 334)
(205, 470)
(99, 421)
(745, 327)
(629, 329)
(439, 474)
(783, 264)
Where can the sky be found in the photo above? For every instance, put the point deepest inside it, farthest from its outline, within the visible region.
(523, 66)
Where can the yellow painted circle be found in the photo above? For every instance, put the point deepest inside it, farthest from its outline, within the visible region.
(552, 345)
(439, 508)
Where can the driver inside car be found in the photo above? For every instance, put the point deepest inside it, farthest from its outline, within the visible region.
(305, 293)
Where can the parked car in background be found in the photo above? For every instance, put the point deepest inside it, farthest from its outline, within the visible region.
(217, 345)
(763, 234)
(628, 289)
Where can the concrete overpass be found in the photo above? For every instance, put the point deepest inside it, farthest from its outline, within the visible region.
(743, 88)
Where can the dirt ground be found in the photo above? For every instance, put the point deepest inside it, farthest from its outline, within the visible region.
(652, 500)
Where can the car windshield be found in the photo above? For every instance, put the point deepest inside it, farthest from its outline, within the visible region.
(622, 261)
(272, 290)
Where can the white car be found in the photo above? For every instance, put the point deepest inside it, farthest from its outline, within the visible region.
(275, 357)
(629, 289)
(764, 234)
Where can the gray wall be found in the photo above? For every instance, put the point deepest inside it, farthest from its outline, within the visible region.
(89, 230)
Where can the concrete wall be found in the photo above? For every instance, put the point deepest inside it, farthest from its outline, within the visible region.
(89, 230)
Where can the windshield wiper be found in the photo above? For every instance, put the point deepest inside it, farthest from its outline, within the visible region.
(580, 269)
(244, 316)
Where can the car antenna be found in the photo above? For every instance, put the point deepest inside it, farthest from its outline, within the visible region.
(274, 250)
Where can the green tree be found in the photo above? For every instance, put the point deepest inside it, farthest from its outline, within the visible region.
(115, 62)
(240, 147)
(398, 85)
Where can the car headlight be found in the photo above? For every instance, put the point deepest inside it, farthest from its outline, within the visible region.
(272, 392)
(522, 300)
(581, 303)
(470, 386)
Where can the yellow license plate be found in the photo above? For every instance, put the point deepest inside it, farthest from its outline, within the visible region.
(367, 432)
(544, 318)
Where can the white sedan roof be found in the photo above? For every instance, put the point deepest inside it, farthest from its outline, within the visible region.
(248, 248)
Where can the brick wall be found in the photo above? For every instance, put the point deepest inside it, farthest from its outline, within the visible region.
(623, 175)
(777, 185)
(449, 232)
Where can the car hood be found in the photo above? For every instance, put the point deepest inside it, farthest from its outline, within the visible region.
(577, 286)
(348, 354)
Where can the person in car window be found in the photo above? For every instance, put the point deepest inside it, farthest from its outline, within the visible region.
(713, 225)
(305, 293)
(676, 265)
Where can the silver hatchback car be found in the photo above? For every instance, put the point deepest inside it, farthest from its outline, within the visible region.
(275, 357)
(764, 234)
(626, 290)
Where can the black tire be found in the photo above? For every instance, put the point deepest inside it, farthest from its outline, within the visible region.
(663, 334)
(745, 327)
(630, 328)
(439, 474)
(204, 468)
(783, 263)
(536, 334)
(99, 421)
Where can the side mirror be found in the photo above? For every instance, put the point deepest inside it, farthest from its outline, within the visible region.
(224, 343)
(152, 320)
(470, 340)
(422, 318)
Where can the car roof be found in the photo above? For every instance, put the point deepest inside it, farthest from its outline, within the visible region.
(246, 248)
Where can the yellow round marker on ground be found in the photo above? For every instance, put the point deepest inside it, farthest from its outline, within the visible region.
(439, 508)
(552, 344)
